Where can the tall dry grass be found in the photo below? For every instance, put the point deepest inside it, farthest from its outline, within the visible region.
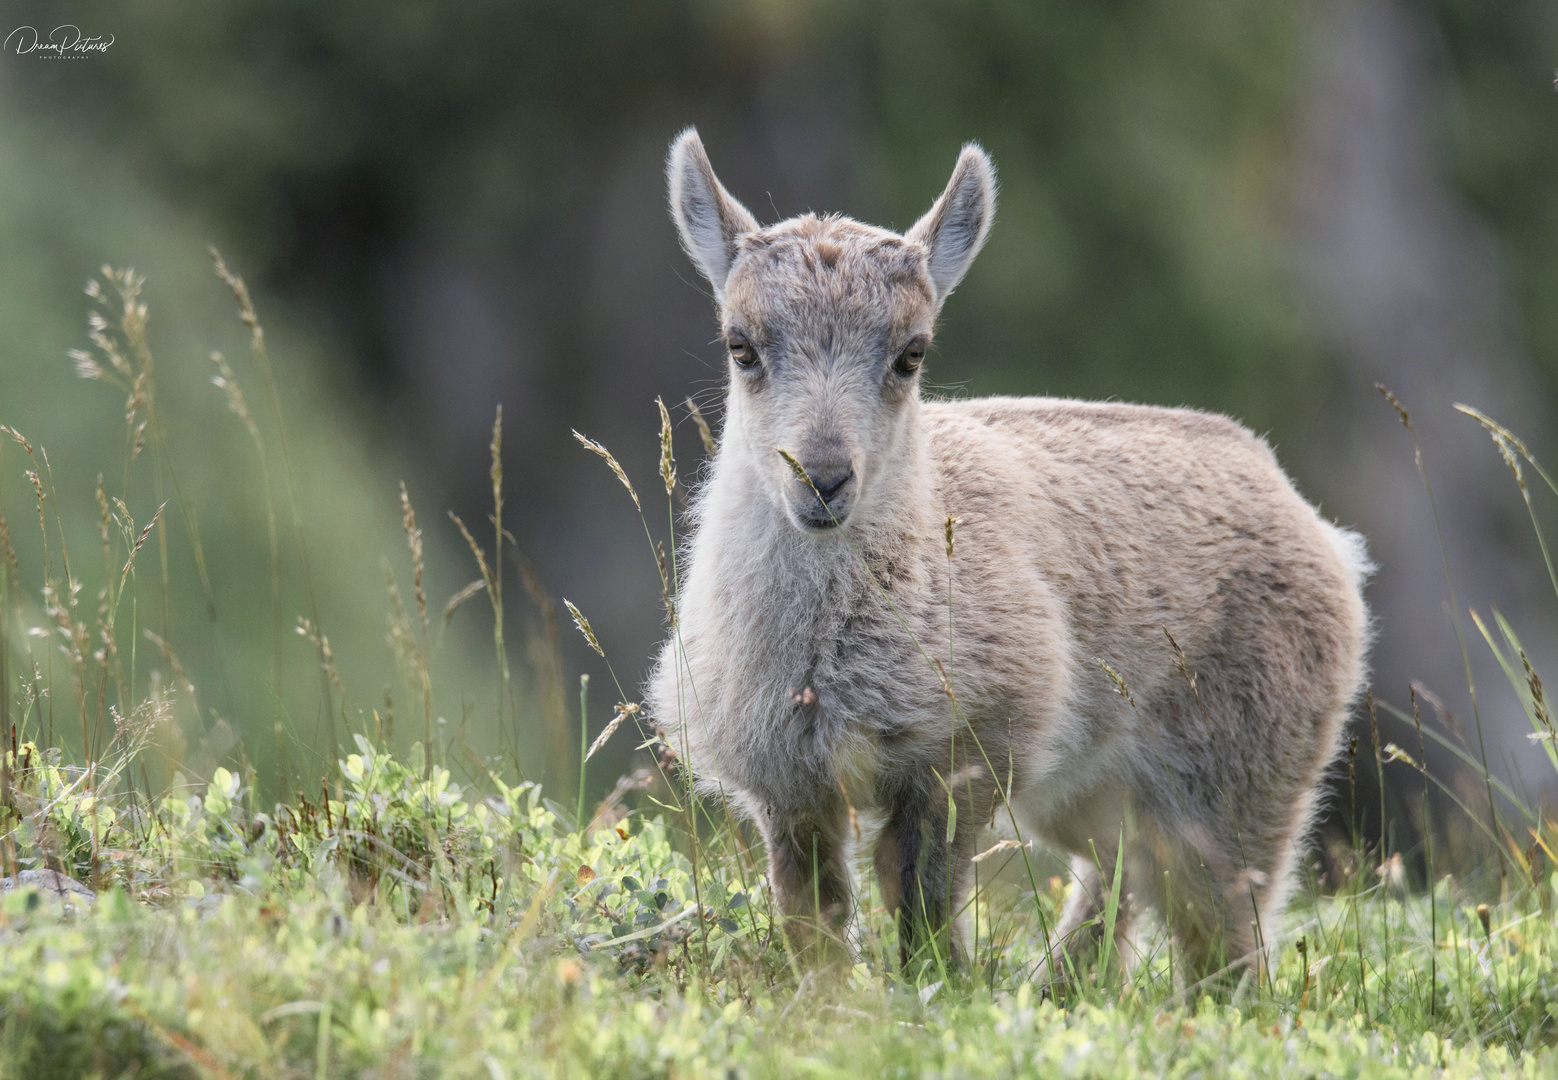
(95, 702)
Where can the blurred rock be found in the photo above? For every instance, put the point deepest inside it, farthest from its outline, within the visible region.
(52, 887)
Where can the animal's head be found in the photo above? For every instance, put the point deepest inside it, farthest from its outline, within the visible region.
(826, 322)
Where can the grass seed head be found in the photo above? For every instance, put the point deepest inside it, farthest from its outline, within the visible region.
(1538, 695)
(86, 367)
(1119, 682)
(225, 381)
(481, 556)
(496, 449)
(461, 597)
(1401, 410)
(624, 710)
(408, 520)
(1500, 434)
(246, 313)
(1395, 753)
(605, 455)
(667, 457)
(703, 428)
(799, 470)
(8, 551)
(584, 627)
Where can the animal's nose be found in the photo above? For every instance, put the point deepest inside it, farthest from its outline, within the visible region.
(829, 479)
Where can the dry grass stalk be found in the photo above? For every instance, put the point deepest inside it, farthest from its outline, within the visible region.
(419, 654)
(250, 319)
(37, 487)
(624, 710)
(321, 642)
(246, 313)
(225, 381)
(666, 599)
(1539, 706)
(544, 648)
(481, 563)
(1500, 434)
(1119, 682)
(796, 467)
(596, 448)
(118, 370)
(104, 517)
(584, 627)
(461, 597)
(140, 542)
(134, 363)
(495, 448)
(1000, 846)
(8, 551)
(408, 517)
(108, 656)
(1455, 610)
(7, 575)
(1509, 446)
(1184, 667)
(702, 425)
(667, 457)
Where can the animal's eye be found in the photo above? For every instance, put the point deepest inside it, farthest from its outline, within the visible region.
(910, 359)
(741, 350)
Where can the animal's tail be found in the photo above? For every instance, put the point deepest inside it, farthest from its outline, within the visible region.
(1353, 550)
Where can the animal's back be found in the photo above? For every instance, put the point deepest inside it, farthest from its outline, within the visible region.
(1142, 520)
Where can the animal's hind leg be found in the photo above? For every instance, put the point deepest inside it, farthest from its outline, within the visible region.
(1091, 832)
(1211, 901)
(1079, 934)
(1223, 856)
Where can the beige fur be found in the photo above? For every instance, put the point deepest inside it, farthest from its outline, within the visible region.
(1089, 534)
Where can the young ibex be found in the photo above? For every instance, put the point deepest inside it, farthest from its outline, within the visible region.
(1130, 615)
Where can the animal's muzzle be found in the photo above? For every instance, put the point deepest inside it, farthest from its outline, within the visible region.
(825, 502)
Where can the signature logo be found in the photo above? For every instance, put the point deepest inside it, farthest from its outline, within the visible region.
(65, 42)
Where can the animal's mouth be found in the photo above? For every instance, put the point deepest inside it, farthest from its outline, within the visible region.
(815, 516)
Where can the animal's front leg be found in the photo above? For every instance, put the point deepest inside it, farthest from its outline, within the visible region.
(809, 867)
(923, 877)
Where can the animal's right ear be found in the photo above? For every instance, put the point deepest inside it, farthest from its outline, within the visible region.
(707, 218)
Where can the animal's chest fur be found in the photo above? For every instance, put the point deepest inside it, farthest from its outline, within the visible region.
(811, 682)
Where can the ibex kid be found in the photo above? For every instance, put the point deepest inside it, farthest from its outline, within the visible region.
(1131, 614)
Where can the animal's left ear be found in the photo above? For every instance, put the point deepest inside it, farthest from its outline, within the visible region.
(954, 228)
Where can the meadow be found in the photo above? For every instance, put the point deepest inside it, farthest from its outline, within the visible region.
(400, 905)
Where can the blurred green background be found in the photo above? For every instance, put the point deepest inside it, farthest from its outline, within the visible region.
(1250, 207)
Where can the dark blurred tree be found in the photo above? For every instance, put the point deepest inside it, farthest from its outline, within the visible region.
(1141, 149)
(1502, 118)
(465, 200)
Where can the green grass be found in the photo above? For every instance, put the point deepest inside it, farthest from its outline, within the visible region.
(398, 920)
(414, 929)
